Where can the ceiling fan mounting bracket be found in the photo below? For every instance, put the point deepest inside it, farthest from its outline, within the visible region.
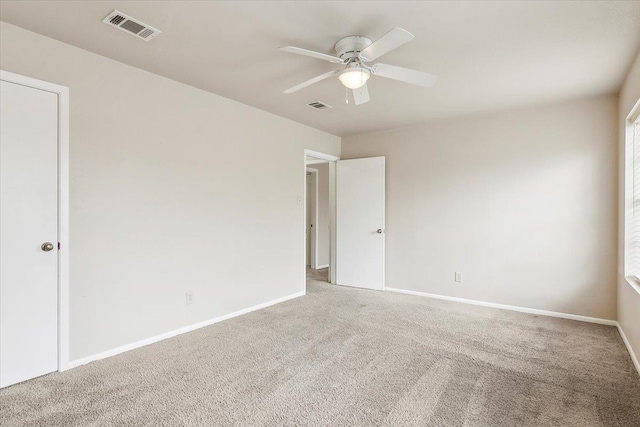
(350, 47)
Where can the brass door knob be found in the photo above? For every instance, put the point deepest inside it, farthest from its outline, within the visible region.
(47, 246)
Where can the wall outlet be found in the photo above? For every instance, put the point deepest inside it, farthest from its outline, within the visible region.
(189, 298)
(458, 276)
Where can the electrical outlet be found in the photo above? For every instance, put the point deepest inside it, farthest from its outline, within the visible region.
(458, 276)
(189, 298)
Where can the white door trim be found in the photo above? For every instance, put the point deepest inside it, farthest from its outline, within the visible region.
(333, 233)
(63, 205)
(320, 156)
(332, 208)
(314, 232)
(315, 162)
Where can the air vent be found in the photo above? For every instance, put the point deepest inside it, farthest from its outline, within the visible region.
(318, 105)
(132, 26)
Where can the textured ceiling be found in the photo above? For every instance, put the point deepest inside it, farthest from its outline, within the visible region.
(489, 56)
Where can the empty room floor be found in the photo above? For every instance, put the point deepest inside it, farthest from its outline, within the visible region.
(349, 357)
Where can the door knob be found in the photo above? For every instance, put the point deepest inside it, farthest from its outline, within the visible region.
(47, 246)
(379, 231)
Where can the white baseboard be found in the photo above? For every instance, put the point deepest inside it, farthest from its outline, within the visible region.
(634, 358)
(600, 321)
(164, 336)
(199, 325)
(322, 266)
(509, 307)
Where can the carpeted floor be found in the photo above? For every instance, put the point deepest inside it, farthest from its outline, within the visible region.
(351, 357)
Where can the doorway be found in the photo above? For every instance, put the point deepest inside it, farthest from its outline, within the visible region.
(34, 228)
(319, 216)
(356, 221)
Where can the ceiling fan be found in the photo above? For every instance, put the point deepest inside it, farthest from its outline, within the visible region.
(354, 52)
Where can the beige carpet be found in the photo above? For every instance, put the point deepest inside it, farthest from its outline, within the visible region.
(350, 357)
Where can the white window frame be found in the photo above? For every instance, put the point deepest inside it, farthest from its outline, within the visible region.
(631, 213)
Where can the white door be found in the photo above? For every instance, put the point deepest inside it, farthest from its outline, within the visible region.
(360, 201)
(28, 220)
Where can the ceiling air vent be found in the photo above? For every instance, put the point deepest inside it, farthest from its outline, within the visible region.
(318, 105)
(132, 26)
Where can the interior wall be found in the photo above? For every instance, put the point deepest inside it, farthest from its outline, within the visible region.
(323, 214)
(165, 197)
(311, 188)
(523, 203)
(628, 294)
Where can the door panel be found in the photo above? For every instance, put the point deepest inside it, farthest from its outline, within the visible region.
(28, 218)
(360, 205)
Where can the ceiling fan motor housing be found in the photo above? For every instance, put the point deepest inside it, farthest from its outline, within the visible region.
(350, 47)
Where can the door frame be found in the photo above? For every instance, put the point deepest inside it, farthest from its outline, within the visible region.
(314, 215)
(323, 157)
(63, 205)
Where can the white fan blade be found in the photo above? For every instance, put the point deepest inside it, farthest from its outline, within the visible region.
(317, 55)
(404, 75)
(311, 81)
(361, 95)
(393, 39)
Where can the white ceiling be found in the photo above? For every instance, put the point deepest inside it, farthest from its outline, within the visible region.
(489, 56)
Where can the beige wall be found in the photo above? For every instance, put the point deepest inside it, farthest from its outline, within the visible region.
(311, 182)
(323, 213)
(524, 203)
(628, 295)
(165, 196)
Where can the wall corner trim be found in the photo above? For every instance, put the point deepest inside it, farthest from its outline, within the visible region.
(180, 331)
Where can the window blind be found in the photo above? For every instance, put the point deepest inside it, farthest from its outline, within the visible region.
(633, 234)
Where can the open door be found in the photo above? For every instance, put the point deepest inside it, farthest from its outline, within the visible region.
(360, 227)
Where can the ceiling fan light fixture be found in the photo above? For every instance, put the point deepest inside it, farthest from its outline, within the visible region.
(354, 78)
